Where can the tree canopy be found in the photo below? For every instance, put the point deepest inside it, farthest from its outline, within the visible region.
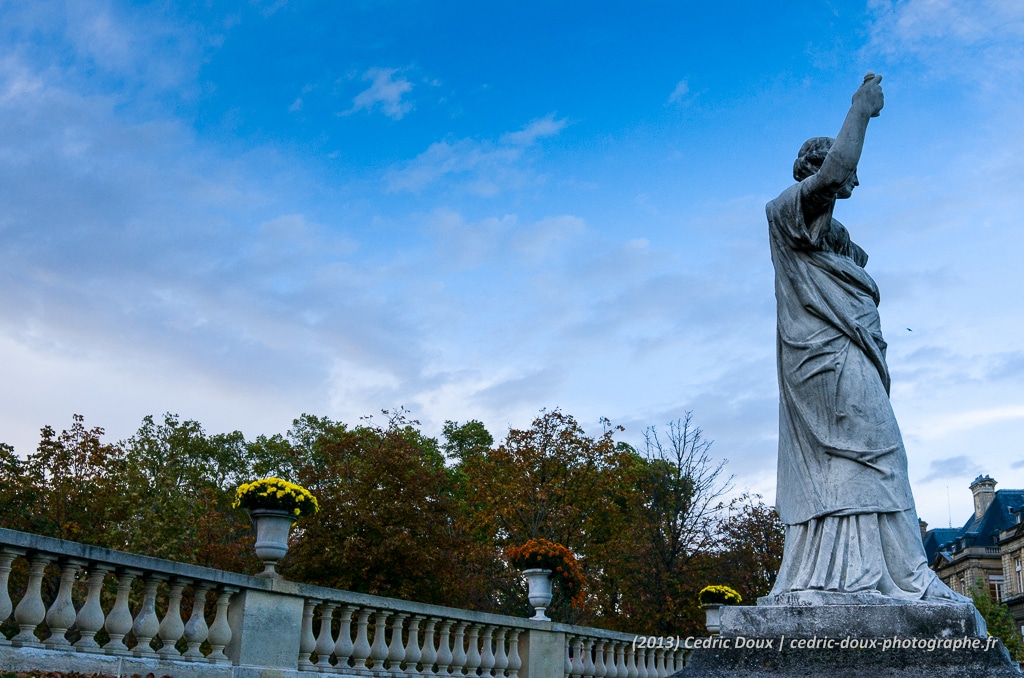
(410, 516)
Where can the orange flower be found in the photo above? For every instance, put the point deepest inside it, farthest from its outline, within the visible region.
(556, 557)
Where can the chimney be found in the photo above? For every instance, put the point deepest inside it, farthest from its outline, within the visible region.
(924, 528)
(984, 489)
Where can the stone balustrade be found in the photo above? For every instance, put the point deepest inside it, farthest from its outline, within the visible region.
(119, 613)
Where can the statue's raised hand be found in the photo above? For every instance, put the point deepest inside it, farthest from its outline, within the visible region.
(868, 96)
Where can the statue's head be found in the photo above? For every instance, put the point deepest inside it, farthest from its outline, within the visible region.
(810, 157)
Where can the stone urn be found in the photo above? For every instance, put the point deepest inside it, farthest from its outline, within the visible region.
(539, 581)
(713, 617)
(272, 527)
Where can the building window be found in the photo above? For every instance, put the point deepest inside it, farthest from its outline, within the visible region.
(1020, 576)
(996, 587)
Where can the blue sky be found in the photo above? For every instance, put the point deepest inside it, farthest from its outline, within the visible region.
(478, 210)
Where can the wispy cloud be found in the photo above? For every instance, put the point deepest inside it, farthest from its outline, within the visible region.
(482, 168)
(982, 40)
(485, 168)
(386, 92)
(951, 468)
(679, 93)
(537, 129)
(972, 419)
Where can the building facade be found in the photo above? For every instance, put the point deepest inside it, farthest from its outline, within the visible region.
(989, 547)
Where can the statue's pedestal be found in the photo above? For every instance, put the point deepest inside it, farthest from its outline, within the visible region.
(811, 637)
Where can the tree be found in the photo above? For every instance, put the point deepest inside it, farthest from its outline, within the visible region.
(70, 484)
(998, 619)
(673, 528)
(22, 485)
(542, 481)
(551, 480)
(180, 483)
(386, 505)
(750, 549)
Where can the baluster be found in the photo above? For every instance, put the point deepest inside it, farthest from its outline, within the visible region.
(412, 645)
(444, 650)
(588, 660)
(487, 653)
(307, 643)
(196, 629)
(7, 556)
(361, 649)
(146, 625)
(500, 656)
(659, 663)
(379, 649)
(119, 621)
(600, 670)
(61, 614)
(30, 611)
(396, 651)
(515, 662)
(577, 660)
(458, 650)
(652, 669)
(631, 670)
(171, 626)
(324, 640)
(343, 646)
(428, 652)
(620, 661)
(567, 667)
(641, 663)
(473, 655)
(90, 618)
(220, 631)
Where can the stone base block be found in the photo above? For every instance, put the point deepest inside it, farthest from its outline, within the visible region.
(917, 620)
(866, 639)
(851, 663)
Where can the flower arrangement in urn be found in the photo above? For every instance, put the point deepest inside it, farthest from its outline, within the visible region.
(712, 598)
(719, 595)
(273, 505)
(557, 561)
(277, 495)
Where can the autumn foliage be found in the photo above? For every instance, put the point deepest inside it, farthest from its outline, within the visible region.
(438, 520)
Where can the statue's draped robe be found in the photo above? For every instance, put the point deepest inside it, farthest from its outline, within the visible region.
(843, 490)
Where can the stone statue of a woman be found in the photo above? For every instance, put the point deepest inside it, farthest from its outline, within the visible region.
(852, 532)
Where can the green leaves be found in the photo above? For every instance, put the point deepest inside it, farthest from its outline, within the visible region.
(998, 619)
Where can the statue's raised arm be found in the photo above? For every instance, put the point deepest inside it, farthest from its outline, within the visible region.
(837, 175)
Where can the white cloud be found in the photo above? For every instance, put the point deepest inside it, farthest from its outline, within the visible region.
(537, 129)
(942, 426)
(681, 90)
(916, 24)
(386, 92)
(979, 40)
(482, 168)
(959, 466)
